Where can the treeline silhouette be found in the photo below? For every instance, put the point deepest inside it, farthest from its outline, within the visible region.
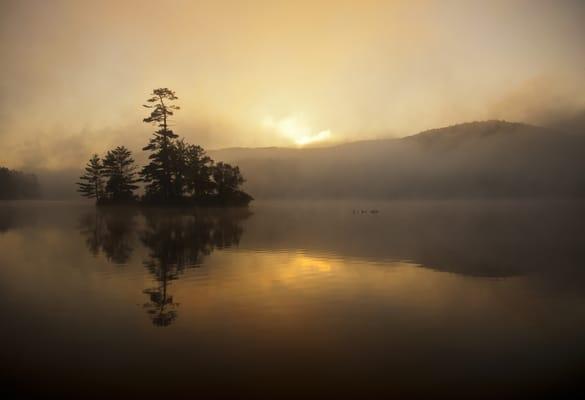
(16, 185)
(175, 241)
(177, 173)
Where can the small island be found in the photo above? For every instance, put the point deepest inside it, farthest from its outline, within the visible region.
(178, 173)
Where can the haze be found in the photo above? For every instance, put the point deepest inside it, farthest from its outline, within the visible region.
(253, 74)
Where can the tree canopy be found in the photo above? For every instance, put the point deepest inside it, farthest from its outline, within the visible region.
(158, 173)
(120, 170)
(177, 172)
(91, 183)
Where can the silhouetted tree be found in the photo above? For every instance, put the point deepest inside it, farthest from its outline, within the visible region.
(177, 173)
(178, 167)
(158, 174)
(197, 167)
(119, 168)
(228, 180)
(91, 183)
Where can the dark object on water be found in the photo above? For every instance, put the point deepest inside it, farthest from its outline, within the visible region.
(372, 211)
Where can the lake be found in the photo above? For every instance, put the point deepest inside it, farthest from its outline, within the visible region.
(294, 298)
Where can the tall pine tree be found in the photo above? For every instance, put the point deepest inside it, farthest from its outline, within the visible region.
(91, 184)
(177, 172)
(119, 168)
(158, 174)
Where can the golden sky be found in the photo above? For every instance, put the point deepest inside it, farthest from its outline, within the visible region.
(277, 73)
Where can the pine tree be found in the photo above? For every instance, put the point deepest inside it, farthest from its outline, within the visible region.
(158, 174)
(91, 183)
(178, 172)
(119, 168)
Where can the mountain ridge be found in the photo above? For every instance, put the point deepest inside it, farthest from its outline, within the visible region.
(476, 159)
(489, 127)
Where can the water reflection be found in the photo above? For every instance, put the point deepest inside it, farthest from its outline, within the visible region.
(495, 239)
(175, 240)
(13, 216)
(484, 239)
(312, 290)
(111, 232)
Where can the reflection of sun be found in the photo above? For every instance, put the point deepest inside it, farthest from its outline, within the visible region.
(300, 266)
(312, 263)
(294, 129)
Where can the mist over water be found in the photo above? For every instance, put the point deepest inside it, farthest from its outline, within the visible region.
(410, 177)
(353, 297)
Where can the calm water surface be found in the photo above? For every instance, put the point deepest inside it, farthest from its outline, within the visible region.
(316, 299)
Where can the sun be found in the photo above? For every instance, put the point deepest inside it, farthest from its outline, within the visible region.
(293, 128)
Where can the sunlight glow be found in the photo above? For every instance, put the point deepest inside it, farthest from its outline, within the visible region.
(293, 128)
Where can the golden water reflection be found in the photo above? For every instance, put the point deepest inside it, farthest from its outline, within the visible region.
(421, 298)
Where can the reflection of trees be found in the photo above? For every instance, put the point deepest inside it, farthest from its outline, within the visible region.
(13, 216)
(6, 219)
(176, 240)
(111, 232)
